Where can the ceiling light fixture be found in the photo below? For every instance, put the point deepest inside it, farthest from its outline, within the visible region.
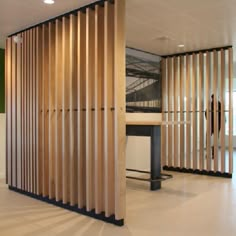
(181, 45)
(49, 1)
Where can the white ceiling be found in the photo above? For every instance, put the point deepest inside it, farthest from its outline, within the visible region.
(198, 24)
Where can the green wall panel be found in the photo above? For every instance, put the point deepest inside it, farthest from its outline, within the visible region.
(2, 81)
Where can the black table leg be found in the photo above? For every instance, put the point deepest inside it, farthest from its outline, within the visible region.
(156, 157)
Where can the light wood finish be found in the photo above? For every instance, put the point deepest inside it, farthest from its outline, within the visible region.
(187, 101)
(194, 114)
(176, 128)
(73, 112)
(65, 87)
(39, 167)
(222, 99)
(215, 104)
(208, 112)
(230, 65)
(119, 103)
(182, 139)
(201, 114)
(65, 109)
(90, 63)
(170, 109)
(144, 122)
(109, 109)
(58, 106)
(81, 55)
(164, 110)
(99, 115)
(51, 112)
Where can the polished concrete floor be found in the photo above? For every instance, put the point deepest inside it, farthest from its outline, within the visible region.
(186, 205)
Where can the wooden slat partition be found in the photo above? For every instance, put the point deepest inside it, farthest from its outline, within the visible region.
(65, 86)
(202, 113)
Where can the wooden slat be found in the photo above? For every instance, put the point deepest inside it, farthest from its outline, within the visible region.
(164, 116)
(39, 169)
(208, 108)
(90, 63)
(73, 110)
(18, 112)
(45, 95)
(52, 111)
(222, 99)
(215, 113)
(65, 113)
(176, 128)
(81, 54)
(30, 91)
(58, 91)
(230, 68)
(201, 115)
(22, 111)
(33, 104)
(194, 114)
(188, 125)
(25, 151)
(13, 110)
(108, 112)
(119, 96)
(182, 139)
(170, 109)
(8, 111)
(99, 103)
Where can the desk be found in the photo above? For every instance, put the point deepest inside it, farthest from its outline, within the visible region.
(153, 130)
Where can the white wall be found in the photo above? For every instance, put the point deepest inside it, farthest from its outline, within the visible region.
(138, 148)
(2, 145)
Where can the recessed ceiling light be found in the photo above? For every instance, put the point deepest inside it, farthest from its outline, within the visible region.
(49, 1)
(181, 45)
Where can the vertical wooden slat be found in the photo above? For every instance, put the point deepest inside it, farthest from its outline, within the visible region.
(90, 46)
(119, 96)
(99, 103)
(81, 57)
(8, 111)
(222, 99)
(52, 111)
(176, 95)
(215, 107)
(65, 113)
(108, 109)
(194, 114)
(230, 68)
(58, 91)
(170, 102)
(187, 101)
(13, 110)
(33, 104)
(73, 110)
(18, 111)
(201, 115)
(164, 116)
(45, 94)
(208, 108)
(30, 128)
(39, 169)
(182, 139)
(25, 153)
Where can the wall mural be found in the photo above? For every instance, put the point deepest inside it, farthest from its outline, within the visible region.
(143, 81)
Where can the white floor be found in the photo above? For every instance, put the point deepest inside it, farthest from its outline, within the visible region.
(186, 205)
